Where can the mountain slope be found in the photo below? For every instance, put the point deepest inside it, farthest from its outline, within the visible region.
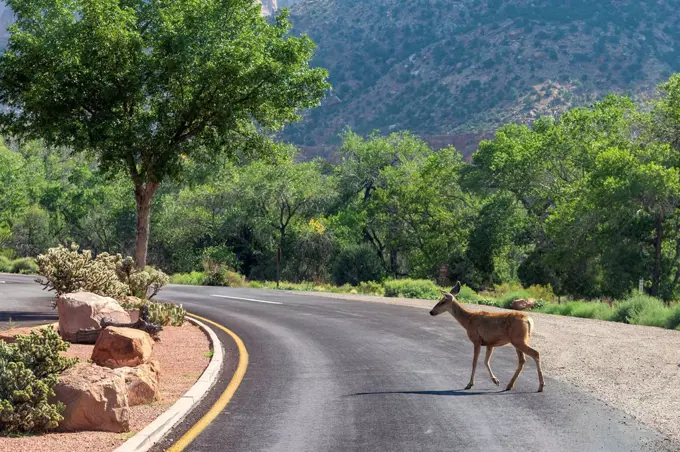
(450, 67)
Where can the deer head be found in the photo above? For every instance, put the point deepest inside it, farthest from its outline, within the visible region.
(447, 301)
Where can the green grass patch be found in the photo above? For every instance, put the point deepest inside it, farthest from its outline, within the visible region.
(192, 279)
(412, 288)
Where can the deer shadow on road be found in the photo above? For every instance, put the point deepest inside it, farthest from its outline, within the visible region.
(449, 392)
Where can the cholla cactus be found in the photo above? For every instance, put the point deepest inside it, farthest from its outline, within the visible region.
(29, 369)
(109, 275)
(140, 282)
(67, 271)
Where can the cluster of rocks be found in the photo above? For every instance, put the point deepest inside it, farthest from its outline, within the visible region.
(98, 394)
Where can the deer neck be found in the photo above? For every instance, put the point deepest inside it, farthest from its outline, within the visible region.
(461, 314)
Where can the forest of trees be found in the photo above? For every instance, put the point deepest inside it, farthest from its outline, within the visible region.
(587, 202)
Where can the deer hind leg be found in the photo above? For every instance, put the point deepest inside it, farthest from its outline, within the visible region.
(520, 364)
(487, 361)
(532, 352)
(474, 365)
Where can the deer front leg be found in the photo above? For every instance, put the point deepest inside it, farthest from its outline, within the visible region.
(474, 365)
(487, 361)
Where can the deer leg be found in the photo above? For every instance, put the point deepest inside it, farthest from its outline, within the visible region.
(474, 366)
(487, 361)
(536, 356)
(520, 364)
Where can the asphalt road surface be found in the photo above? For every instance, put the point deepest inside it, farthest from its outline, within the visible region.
(336, 375)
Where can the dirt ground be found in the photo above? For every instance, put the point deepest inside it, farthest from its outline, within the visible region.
(176, 377)
(635, 369)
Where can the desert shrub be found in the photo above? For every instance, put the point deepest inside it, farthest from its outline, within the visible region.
(160, 313)
(141, 283)
(412, 288)
(67, 271)
(220, 275)
(166, 313)
(356, 264)
(29, 370)
(193, 278)
(507, 299)
(5, 264)
(641, 310)
(371, 288)
(25, 266)
(109, 275)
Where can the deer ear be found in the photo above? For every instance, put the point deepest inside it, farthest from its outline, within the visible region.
(456, 289)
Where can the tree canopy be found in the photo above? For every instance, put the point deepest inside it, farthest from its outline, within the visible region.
(143, 85)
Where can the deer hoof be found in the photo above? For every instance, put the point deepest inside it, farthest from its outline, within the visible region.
(469, 386)
(496, 381)
(508, 388)
(540, 389)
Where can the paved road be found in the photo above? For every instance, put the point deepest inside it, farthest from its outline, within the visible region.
(336, 375)
(24, 302)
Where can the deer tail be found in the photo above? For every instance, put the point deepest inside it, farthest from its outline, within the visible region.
(530, 323)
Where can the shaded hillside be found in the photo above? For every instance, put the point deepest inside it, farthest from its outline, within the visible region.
(447, 68)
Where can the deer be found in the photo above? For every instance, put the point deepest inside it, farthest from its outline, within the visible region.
(493, 329)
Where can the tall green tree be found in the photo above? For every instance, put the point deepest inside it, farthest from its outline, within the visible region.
(143, 84)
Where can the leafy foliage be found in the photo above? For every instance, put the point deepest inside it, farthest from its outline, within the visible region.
(29, 370)
(156, 83)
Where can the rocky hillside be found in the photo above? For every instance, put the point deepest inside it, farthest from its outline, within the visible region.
(449, 68)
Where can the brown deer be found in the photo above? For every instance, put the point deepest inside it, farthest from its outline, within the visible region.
(493, 329)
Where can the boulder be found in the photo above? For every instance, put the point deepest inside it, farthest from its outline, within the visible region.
(142, 382)
(83, 311)
(523, 304)
(122, 347)
(95, 398)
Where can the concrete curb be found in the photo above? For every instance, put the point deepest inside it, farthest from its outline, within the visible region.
(155, 431)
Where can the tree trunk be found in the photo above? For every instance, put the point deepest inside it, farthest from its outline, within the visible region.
(143, 196)
(658, 242)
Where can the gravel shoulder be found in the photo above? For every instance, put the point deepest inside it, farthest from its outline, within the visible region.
(635, 369)
(176, 377)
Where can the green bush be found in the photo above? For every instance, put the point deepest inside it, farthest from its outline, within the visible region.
(641, 310)
(5, 264)
(467, 294)
(673, 321)
(356, 264)
(371, 288)
(25, 266)
(192, 279)
(589, 310)
(29, 370)
(412, 288)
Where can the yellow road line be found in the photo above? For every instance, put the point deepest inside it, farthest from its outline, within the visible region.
(226, 396)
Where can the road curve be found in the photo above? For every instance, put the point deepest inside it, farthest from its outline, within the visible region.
(337, 375)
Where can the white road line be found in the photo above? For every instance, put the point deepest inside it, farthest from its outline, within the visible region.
(246, 299)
